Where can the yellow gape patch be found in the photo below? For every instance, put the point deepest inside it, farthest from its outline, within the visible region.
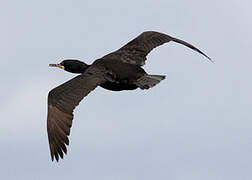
(61, 66)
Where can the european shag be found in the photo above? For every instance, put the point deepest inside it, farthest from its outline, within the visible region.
(117, 71)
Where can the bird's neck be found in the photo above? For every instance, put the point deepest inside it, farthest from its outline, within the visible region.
(83, 68)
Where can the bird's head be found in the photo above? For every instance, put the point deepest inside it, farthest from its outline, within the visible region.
(72, 65)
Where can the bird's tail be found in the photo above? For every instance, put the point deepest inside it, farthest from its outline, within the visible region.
(148, 81)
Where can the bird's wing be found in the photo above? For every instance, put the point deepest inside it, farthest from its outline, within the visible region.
(61, 102)
(135, 51)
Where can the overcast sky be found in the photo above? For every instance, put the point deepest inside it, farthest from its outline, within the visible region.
(194, 125)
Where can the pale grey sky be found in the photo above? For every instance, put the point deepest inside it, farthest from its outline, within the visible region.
(196, 124)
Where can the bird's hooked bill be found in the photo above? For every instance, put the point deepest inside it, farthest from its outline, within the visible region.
(57, 65)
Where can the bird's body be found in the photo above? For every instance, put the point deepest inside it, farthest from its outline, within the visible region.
(117, 71)
(121, 76)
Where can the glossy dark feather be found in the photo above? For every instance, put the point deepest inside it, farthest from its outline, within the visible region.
(135, 51)
(61, 102)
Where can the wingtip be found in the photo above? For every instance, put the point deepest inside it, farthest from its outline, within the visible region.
(212, 61)
(52, 158)
(56, 157)
(191, 46)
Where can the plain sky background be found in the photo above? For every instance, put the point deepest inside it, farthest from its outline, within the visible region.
(196, 124)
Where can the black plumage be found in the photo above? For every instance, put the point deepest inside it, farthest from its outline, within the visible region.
(117, 71)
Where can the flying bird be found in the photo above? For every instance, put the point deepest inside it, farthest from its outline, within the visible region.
(117, 71)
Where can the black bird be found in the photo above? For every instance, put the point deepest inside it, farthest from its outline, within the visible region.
(117, 71)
